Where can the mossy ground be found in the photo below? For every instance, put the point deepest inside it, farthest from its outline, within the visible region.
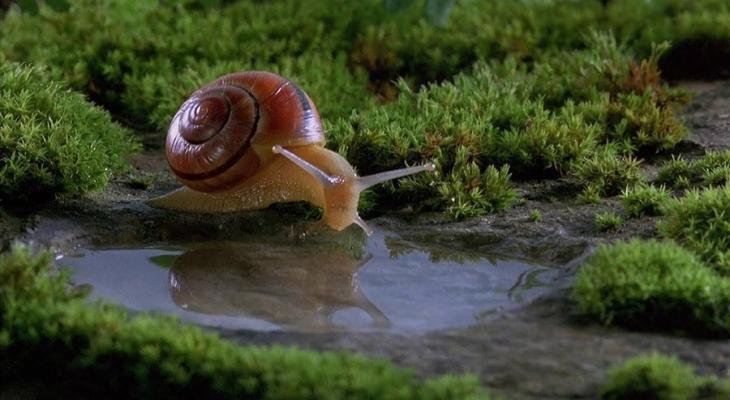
(517, 110)
(118, 216)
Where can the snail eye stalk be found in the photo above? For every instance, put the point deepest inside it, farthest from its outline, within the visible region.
(317, 173)
(365, 182)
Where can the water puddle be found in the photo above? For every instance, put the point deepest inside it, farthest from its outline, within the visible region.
(382, 283)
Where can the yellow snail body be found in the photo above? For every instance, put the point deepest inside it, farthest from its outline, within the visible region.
(251, 139)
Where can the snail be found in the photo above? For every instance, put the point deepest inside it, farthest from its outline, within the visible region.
(251, 139)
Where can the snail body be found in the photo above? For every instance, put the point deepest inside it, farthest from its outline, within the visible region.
(251, 139)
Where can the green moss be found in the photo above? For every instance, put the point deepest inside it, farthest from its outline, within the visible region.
(676, 173)
(535, 215)
(493, 30)
(540, 122)
(649, 377)
(711, 170)
(711, 160)
(152, 98)
(126, 55)
(45, 330)
(642, 121)
(408, 46)
(653, 285)
(522, 91)
(659, 377)
(140, 58)
(470, 192)
(698, 221)
(608, 221)
(644, 200)
(716, 176)
(590, 194)
(699, 30)
(606, 172)
(52, 140)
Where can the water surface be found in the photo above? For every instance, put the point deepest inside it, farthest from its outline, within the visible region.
(382, 283)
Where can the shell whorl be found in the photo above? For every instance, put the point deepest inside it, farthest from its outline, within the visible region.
(209, 142)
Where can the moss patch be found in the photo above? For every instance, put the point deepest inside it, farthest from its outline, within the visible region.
(699, 221)
(606, 173)
(52, 140)
(608, 221)
(711, 170)
(645, 200)
(654, 285)
(659, 377)
(44, 327)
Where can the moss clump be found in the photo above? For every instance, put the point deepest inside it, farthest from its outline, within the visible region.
(608, 221)
(644, 200)
(52, 140)
(711, 170)
(699, 222)
(623, 95)
(482, 30)
(650, 377)
(660, 377)
(717, 176)
(48, 331)
(590, 194)
(712, 160)
(675, 173)
(469, 192)
(535, 215)
(607, 173)
(654, 285)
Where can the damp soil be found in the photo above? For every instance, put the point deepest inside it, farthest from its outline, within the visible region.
(537, 348)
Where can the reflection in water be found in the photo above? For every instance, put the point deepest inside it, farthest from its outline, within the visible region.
(286, 285)
(527, 281)
(266, 284)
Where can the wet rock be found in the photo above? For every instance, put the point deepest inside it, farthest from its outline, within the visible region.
(709, 115)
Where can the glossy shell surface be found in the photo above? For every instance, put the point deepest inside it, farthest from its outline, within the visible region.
(209, 142)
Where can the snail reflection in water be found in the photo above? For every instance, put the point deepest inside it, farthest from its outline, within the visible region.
(284, 284)
(251, 139)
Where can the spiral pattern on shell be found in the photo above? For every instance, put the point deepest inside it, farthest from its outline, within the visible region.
(224, 132)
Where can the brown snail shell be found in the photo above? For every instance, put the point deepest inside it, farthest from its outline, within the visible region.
(209, 142)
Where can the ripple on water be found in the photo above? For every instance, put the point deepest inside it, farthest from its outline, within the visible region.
(382, 283)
